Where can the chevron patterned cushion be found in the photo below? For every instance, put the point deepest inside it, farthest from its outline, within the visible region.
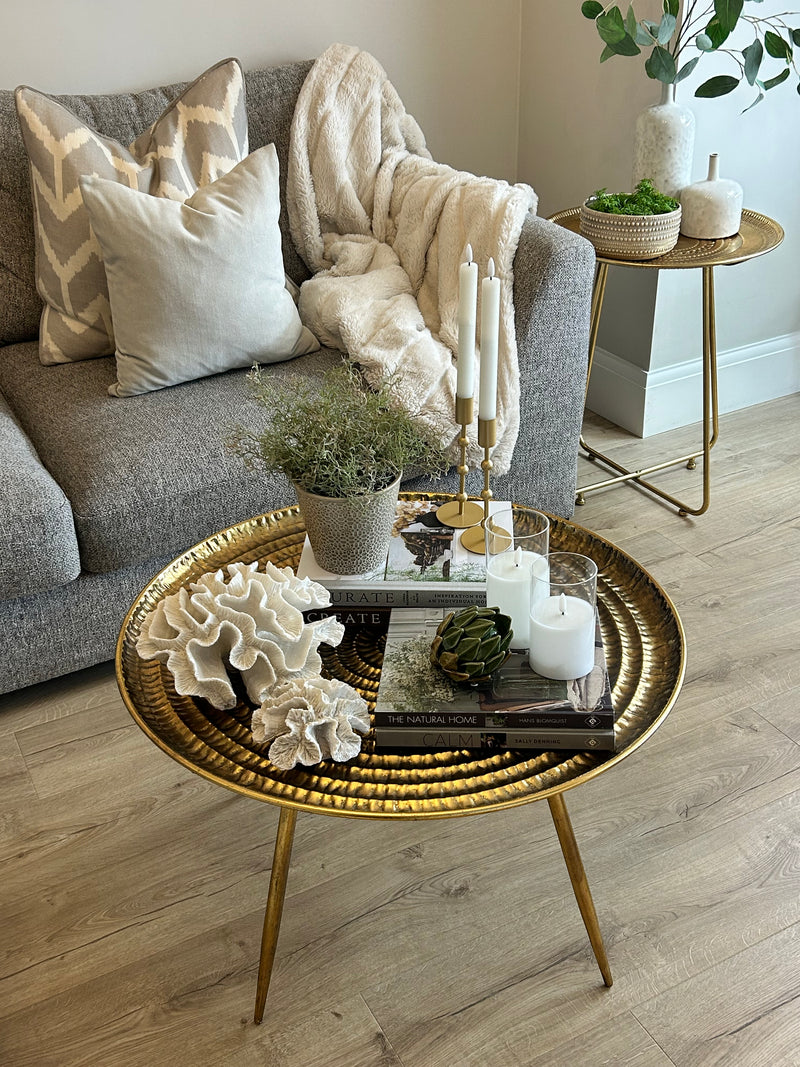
(199, 137)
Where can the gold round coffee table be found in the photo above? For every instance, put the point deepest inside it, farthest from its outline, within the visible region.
(645, 650)
(758, 234)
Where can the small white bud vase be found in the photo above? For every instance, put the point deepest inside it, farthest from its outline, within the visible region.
(664, 144)
(713, 208)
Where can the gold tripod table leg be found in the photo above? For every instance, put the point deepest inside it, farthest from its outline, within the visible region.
(274, 910)
(580, 886)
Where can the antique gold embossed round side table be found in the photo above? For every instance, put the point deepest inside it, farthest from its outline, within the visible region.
(645, 650)
(758, 234)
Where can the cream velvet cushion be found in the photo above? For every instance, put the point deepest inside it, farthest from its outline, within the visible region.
(199, 137)
(197, 287)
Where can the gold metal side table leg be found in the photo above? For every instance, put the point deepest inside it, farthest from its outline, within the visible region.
(274, 910)
(710, 412)
(580, 886)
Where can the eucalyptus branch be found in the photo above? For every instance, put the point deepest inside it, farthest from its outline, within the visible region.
(685, 35)
(705, 26)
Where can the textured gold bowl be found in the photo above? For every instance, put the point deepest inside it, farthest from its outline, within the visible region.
(630, 236)
(644, 646)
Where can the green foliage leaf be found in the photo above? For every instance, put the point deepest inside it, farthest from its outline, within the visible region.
(671, 7)
(718, 86)
(776, 46)
(760, 96)
(728, 12)
(644, 35)
(660, 65)
(772, 82)
(631, 25)
(686, 69)
(716, 33)
(590, 9)
(796, 37)
(666, 29)
(626, 47)
(611, 26)
(753, 55)
(704, 42)
(607, 53)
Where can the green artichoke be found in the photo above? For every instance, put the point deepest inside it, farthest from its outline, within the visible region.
(471, 644)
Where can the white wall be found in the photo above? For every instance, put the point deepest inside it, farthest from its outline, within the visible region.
(576, 130)
(454, 62)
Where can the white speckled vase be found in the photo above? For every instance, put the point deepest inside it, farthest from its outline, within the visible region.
(663, 144)
(713, 208)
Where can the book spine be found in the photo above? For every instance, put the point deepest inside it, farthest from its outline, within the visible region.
(598, 740)
(372, 618)
(413, 597)
(509, 720)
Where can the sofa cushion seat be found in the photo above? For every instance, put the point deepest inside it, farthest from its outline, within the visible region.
(146, 475)
(38, 546)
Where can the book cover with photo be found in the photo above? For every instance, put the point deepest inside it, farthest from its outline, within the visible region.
(426, 565)
(414, 694)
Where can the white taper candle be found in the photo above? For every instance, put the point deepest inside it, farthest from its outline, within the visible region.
(467, 316)
(490, 330)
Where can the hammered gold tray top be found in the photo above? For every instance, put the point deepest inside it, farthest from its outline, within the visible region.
(757, 234)
(644, 646)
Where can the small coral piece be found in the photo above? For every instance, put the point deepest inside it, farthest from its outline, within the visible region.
(311, 719)
(248, 620)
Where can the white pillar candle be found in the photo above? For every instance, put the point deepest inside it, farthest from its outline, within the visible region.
(508, 587)
(490, 331)
(562, 630)
(467, 315)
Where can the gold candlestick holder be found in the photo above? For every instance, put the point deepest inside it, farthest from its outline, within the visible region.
(474, 539)
(461, 512)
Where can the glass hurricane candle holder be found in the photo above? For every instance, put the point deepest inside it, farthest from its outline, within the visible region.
(516, 542)
(562, 616)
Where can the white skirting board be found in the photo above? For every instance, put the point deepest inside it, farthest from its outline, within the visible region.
(650, 402)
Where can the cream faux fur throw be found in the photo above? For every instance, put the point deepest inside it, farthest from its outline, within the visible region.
(384, 228)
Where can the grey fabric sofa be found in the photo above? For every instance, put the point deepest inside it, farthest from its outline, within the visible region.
(98, 492)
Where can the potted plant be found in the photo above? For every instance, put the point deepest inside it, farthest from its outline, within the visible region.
(638, 225)
(344, 448)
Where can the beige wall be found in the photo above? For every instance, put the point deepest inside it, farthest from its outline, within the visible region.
(454, 62)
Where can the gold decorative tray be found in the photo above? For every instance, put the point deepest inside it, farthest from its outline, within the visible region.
(757, 234)
(644, 645)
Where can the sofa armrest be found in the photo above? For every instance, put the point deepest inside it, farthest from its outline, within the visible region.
(38, 547)
(553, 278)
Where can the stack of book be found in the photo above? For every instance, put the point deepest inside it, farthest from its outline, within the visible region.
(419, 707)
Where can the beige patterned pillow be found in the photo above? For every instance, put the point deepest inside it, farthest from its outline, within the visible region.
(198, 138)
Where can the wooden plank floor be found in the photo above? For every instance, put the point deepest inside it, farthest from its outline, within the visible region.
(132, 892)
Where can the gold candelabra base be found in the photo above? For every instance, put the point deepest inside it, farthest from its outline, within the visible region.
(461, 512)
(474, 538)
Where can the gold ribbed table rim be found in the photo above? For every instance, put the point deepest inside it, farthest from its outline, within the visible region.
(645, 648)
(758, 234)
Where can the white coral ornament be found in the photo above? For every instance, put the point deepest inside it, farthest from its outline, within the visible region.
(311, 719)
(251, 621)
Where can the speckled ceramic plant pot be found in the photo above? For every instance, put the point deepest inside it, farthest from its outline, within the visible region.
(630, 236)
(350, 535)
